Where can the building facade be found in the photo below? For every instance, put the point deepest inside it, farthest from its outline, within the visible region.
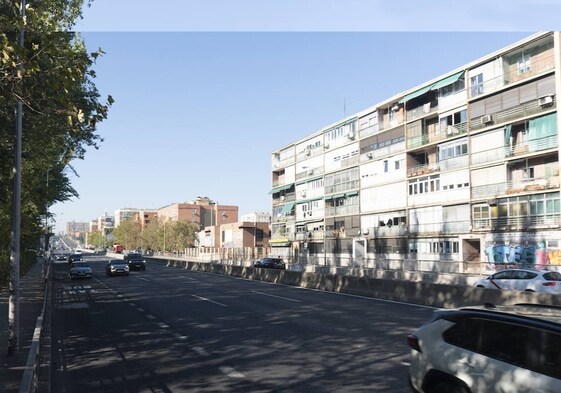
(460, 173)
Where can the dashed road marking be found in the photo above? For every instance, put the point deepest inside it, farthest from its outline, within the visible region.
(208, 300)
(231, 372)
(201, 351)
(150, 316)
(278, 297)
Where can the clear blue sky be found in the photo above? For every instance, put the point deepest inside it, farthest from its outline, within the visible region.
(206, 90)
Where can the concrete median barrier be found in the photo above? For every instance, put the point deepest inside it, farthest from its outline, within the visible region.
(417, 292)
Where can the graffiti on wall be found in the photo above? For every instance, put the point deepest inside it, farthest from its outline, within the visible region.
(528, 255)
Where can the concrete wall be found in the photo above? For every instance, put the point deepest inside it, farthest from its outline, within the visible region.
(417, 292)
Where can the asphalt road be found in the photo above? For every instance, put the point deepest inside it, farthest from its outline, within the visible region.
(174, 330)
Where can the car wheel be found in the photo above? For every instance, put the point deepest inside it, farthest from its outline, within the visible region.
(480, 286)
(448, 387)
(126, 274)
(529, 290)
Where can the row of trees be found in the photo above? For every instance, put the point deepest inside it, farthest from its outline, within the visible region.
(157, 236)
(52, 75)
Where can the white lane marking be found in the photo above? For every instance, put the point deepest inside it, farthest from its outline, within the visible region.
(232, 373)
(405, 364)
(201, 351)
(132, 304)
(150, 316)
(140, 309)
(143, 279)
(189, 278)
(163, 325)
(208, 300)
(278, 297)
(179, 336)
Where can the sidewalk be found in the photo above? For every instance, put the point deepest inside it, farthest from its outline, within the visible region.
(31, 300)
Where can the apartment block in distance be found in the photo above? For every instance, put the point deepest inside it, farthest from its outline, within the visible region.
(458, 174)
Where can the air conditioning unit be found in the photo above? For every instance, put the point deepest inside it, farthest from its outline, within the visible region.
(365, 231)
(308, 152)
(351, 135)
(326, 145)
(486, 119)
(545, 101)
(369, 155)
(310, 172)
(282, 198)
(303, 193)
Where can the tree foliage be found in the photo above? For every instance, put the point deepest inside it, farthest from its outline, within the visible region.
(52, 76)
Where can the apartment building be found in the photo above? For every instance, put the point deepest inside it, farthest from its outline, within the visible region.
(460, 173)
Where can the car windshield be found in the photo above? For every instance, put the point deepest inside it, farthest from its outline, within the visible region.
(80, 264)
(135, 256)
(117, 262)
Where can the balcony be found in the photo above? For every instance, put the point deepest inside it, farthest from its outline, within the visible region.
(448, 227)
(308, 153)
(309, 173)
(537, 67)
(342, 210)
(421, 111)
(342, 187)
(423, 169)
(515, 187)
(517, 223)
(439, 134)
(279, 164)
(524, 110)
(525, 148)
(370, 130)
(284, 199)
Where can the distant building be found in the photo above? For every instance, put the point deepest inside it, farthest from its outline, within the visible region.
(74, 229)
(202, 212)
(257, 217)
(125, 214)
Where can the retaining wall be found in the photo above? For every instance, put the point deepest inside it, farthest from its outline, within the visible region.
(418, 292)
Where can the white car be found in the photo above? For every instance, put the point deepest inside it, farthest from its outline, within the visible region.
(529, 280)
(79, 269)
(514, 349)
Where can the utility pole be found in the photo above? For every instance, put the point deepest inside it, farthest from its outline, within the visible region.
(13, 305)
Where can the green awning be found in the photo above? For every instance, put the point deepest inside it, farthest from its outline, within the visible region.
(416, 93)
(350, 194)
(287, 208)
(447, 81)
(338, 196)
(281, 188)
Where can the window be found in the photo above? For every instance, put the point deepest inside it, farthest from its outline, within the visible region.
(476, 83)
(385, 165)
(523, 63)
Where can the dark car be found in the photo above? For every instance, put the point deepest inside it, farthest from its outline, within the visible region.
(116, 267)
(270, 263)
(74, 258)
(135, 261)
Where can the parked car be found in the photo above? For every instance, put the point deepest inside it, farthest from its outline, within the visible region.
(529, 280)
(135, 261)
(74, 258)
(488, 349)
(79, 270)
(60, 257)
(117, 267)
(271, 263)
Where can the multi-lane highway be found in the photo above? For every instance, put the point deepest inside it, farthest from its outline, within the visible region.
(173, 330)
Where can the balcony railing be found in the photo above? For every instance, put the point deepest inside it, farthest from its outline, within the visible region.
(527, 109)
(440, 134)
(341, 210)
(524, 148)
(505, 223)
(515, 187)
(342, 187)
(370, 130)
(309, 173)
(284, 199)
(421, 111)
(449, 227)
(424, 169)
(494, 84)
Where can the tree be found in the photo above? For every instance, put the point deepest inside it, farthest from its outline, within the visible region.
(52, 75)
(149, 235)
(97, 239)
(128, 234)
